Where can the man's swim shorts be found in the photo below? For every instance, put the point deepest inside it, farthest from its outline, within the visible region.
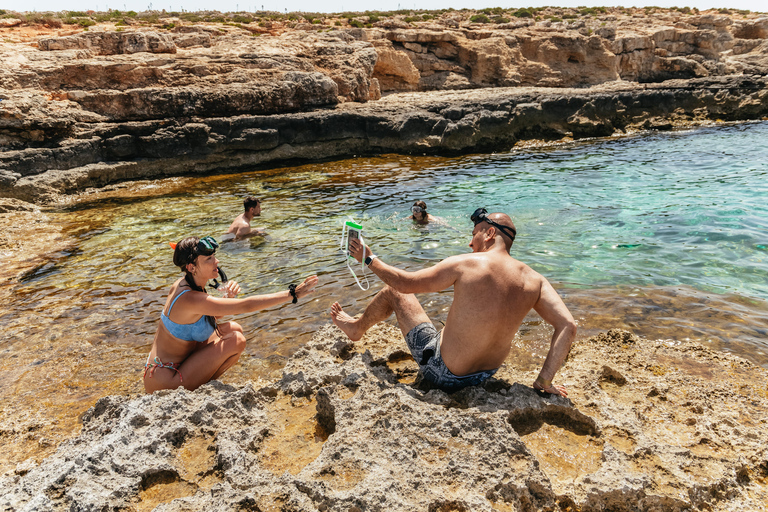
(424, 343)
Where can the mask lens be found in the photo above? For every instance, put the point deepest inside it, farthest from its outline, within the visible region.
(416, 209)
(208, 243)
(478, 216)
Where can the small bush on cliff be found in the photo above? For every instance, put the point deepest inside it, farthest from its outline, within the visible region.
(2, 11)
(85, 23)
(500, 19)
(372, 18)
(526, 12)
(492, 10)
(479, 18)
(355, 23)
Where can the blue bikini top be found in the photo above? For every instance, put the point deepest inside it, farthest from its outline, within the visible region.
(199, 331)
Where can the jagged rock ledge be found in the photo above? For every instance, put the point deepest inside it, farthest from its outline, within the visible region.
(449, 122)
(651, 425)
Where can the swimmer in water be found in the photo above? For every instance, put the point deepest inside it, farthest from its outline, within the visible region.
(241, 226)
(420, 215)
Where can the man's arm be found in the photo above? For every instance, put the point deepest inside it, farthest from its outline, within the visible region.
(243, 230)
(432, 279)
(553, 310)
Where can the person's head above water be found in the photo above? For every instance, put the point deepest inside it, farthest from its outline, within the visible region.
(252, 202)
(501, 221)
(419, 210)
(188, 250)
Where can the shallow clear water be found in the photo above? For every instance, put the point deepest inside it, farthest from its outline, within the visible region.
(663, 234)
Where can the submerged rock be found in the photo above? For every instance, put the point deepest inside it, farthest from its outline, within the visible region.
(651, 425)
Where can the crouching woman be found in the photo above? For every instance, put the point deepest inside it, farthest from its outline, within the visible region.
(190, 347)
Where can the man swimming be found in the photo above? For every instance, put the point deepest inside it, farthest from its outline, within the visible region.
(493, 293)
(241, 226)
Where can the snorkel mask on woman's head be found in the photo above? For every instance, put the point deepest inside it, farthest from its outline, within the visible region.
(207, 244)
(481, 215)
(188, 249)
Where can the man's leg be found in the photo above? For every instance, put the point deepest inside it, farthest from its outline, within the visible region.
(407, 309)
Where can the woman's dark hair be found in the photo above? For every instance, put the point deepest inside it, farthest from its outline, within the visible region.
(421, 204)
(186, 252)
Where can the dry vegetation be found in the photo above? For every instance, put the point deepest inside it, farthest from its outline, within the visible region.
(270, 22)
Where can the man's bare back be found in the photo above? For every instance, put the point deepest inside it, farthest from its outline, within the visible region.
(493, 293)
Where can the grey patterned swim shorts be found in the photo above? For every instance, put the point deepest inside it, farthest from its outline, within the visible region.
(424, 343)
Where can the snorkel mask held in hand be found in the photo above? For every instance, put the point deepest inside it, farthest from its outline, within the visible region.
(480, 215)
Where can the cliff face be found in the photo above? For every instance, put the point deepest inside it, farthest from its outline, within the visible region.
(562, 54)
(92, 108)
(651, 425)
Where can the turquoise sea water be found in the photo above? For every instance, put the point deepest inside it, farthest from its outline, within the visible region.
(663, 234)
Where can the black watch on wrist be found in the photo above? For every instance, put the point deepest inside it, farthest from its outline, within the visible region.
(369, 259)
(292, 291)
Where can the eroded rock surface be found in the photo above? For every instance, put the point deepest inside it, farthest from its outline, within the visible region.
(100, 153)
(662, 46)
(93, 108)
(650, 425)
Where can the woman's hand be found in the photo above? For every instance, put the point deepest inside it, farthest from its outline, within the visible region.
(307, 287)
(230, 290)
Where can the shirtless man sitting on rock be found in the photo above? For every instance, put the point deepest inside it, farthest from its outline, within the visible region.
(241, 226)
(493, 293)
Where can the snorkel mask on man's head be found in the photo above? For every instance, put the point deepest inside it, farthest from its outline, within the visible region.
(481, 215)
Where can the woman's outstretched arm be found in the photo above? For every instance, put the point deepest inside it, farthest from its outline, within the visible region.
(218, 306)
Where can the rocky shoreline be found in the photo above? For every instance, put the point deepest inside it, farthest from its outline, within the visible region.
(650, 425)
(88, 109)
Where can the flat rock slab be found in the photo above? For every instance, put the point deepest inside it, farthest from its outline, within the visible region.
(650, 425)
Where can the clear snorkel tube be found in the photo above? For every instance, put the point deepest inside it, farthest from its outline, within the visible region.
(353, 230)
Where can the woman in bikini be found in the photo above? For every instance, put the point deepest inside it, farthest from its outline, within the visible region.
(190, 348)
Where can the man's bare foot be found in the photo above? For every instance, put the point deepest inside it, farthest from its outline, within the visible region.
(348, 324)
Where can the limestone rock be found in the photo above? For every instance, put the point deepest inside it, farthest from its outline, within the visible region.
(111, 43)
(652, 425)
(123, 97)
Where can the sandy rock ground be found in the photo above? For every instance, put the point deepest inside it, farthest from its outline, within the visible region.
(649, 425)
